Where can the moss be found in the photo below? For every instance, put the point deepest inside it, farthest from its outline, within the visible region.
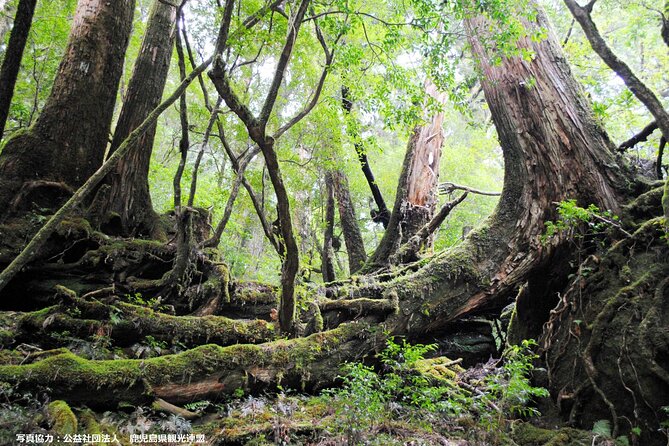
(76, 226)
(6, 337)
(525, 434)
(62, 419)
(77, 379)
(88, 423)
(8, 357)
(195, 330)
(440, 369)
(218, 282)
(255, 293)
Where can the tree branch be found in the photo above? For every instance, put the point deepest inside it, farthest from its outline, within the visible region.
(447, 188)
(639, 137)
(284, 58)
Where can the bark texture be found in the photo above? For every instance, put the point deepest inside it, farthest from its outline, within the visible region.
(349, 222)
(13, 55)
(129, 198)
(327, 254)
(68, 142)
(417, 189)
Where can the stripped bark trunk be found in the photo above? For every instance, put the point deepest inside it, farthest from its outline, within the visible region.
(68, 142)
(417, 195)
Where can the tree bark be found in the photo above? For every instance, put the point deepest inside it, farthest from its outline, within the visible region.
(417, 189)
(355, 246)
(69, 139)
(13, 55)
(327, 254)
(129, 195)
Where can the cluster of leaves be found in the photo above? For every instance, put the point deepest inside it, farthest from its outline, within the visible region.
(400, 392)
(574, 221)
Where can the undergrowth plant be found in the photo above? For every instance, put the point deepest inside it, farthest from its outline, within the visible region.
(399, 392)
(575, 221)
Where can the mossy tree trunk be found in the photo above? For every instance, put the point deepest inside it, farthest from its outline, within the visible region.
(68, 142)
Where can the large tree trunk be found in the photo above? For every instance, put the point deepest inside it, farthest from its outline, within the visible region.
(129, 196)
(68, 142)
(416, 196)
(13, 55)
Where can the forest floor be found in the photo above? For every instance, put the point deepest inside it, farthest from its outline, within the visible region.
(403, 399)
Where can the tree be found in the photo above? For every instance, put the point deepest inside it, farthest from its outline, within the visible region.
(257, 129)
(68, 142)
(416, 196)
(553, 150)
(128, 196)
(13, 55)
(355, 246)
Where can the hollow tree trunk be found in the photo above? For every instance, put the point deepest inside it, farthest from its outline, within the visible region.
(13, 55)
(129, 195)
(416, 197)
(67, 143)
(349, 222)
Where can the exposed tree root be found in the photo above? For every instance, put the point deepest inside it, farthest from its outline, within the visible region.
(126, 324)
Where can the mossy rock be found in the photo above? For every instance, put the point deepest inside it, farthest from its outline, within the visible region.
(525, 434)
(62, 419)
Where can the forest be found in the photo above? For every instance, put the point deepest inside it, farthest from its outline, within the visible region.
(334, 222)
